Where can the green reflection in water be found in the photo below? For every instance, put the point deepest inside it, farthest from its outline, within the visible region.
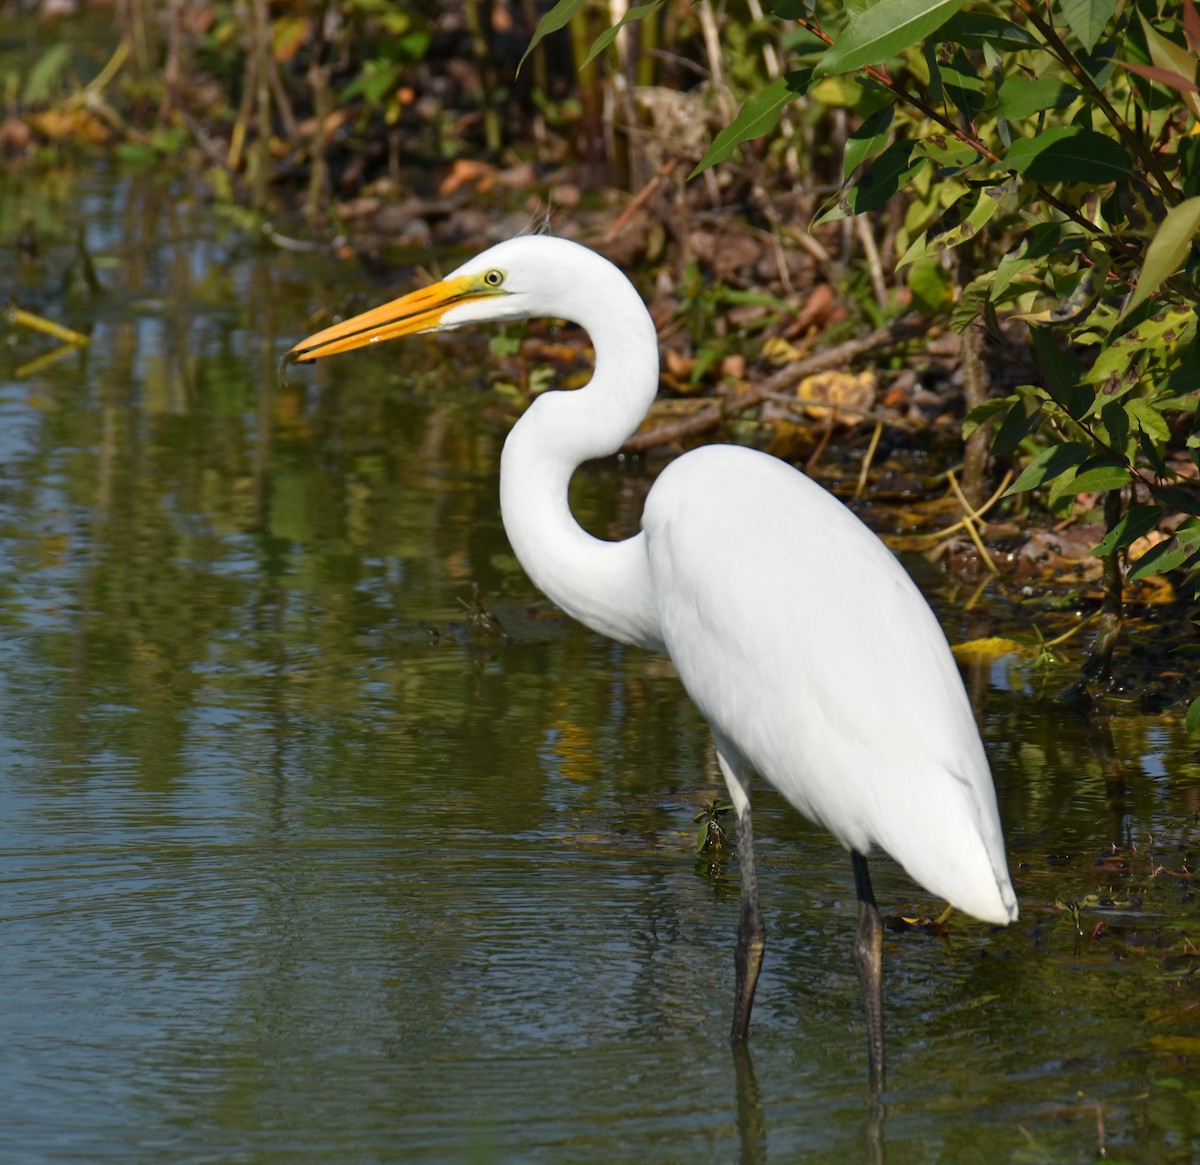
(297, 869)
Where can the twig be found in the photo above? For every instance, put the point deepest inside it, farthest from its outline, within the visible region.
(18, 318)
(211, 148)
(969, 523)
(100, 81)
(862, 227)
(639, 199)
(822, 445)
(911, 98)
(941, 538)
(713, 51)
(1074, 631)
(820, 402)
(866, 465)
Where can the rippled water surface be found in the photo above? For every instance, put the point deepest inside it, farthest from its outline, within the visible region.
(297, 864)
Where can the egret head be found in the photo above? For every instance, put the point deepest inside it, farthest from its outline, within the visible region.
(534, 275)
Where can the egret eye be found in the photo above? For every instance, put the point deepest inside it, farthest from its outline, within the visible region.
(494, 278)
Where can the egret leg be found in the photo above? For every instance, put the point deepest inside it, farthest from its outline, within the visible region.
(752, 935)
(868, 962)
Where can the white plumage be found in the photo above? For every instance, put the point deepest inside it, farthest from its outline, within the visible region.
(836, 682)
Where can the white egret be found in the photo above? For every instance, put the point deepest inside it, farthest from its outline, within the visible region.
(808, 649)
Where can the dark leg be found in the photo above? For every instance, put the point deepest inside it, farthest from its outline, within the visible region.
(752, 935)
(868, 961)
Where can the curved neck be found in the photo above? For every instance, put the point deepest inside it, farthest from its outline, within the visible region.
(605, 585)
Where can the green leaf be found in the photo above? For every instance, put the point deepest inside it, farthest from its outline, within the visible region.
(1051, 462)
(1087, 18)
(1089, 287)
(1193, 716)
(931, 286)
(558, 17)
(610, 34)
(1168, 250)
(1012, 265)
(1149, 418)
(1061, 370)
(991, 199)
(1155, 335)
(983, 413)
(883, 30)
(758, 116)
(1098, 474)
(133, 154)
(1185, 498)
(44, 74)
(1022, 97)
(1150, 451)
(1101, 62)
(791, 9)
(1069, 153)
(1116, 425)
(375, 81)
(866, 141)
(1170, 555)
(972, 300)
(891, 170)
(973, 30)
(1015, 427)
(1185, 378)
(948, 154)
(962, 84)
(1136, 522)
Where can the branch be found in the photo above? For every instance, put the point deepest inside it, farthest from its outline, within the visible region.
(911, 98)
(712, 417)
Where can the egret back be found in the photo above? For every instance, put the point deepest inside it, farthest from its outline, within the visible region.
(809, 649)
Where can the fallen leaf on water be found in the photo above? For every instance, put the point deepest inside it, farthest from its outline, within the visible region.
(983, 650)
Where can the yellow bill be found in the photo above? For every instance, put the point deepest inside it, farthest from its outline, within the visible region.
(419, 311)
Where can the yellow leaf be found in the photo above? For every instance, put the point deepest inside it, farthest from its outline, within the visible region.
(1177, 1045)
(780, 351)
(848, 394)
(1168, 249)
(986, 650)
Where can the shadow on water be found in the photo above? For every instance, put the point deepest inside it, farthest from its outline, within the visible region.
(294, 866)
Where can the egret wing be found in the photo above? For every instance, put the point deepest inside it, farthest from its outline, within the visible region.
(807, 646)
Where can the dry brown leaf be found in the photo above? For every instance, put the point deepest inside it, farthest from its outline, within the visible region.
(464, 172)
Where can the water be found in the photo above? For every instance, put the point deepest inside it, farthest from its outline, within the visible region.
(296, 867)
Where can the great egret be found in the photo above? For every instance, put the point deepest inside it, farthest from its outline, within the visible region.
(801, 639)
